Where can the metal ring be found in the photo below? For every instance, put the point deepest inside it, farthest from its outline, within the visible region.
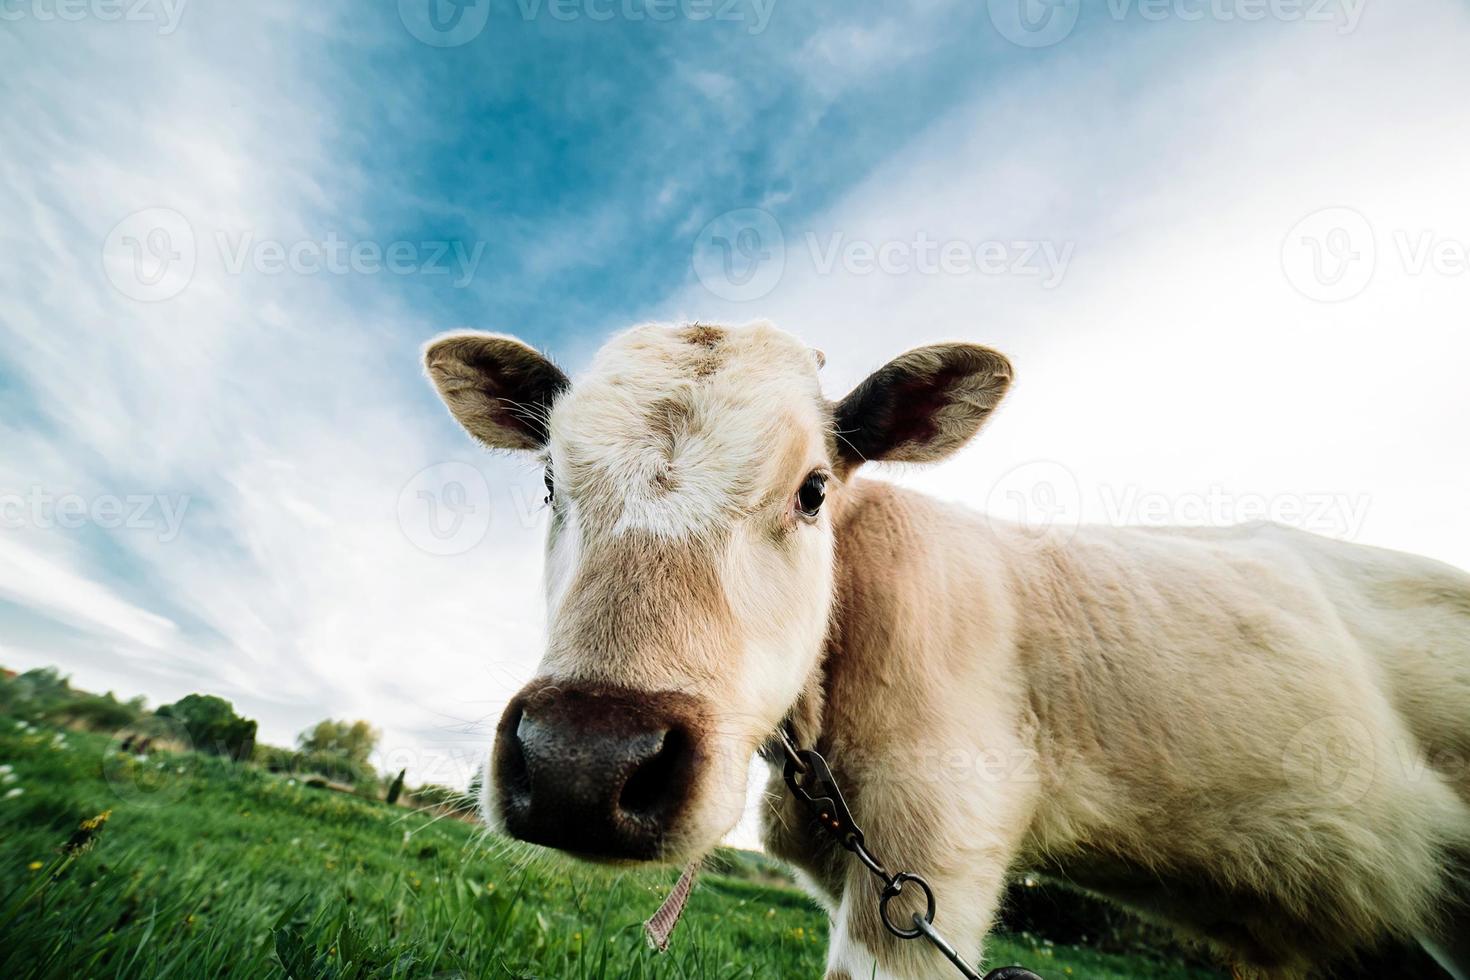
(892, 889)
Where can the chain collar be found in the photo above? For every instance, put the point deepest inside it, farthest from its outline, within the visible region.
(811, 781)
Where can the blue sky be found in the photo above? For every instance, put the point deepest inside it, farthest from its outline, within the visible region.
(1131, 201)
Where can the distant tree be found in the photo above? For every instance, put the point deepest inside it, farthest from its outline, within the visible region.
(273, 758)
(36, 692)
(396, 789)
(353, 740)
(212, 725)
(98, 713)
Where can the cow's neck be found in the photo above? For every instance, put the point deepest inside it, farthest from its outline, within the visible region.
(866, 687)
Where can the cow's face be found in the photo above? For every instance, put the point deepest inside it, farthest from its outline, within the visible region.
(692, 478)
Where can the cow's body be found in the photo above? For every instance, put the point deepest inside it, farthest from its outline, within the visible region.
(1253, 733)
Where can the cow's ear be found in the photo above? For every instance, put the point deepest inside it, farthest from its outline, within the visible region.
(499, 389)
(921, 406)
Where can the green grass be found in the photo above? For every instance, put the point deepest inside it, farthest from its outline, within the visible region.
(207, 869)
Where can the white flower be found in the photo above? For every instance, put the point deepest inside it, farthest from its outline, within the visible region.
(12, 794)
(7, 779)
(7, 768)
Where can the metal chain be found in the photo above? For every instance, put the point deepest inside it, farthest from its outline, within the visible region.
(812, 782)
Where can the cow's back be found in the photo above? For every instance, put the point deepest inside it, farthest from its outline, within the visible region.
(1412, 616)
(1254, 729)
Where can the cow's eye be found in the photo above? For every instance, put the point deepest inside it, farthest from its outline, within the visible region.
(812, 492)
(550, 487)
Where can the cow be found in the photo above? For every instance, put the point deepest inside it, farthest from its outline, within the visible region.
(1252, 734)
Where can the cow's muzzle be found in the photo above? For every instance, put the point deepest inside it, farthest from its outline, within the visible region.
(599, 771)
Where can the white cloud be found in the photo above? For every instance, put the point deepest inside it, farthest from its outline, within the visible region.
(288, 408)
(47, 584)
(1175, 352)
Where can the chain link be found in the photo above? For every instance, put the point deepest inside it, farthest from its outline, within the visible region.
(812, 783)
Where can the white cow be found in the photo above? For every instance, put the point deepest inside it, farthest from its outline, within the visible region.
(1253, 734)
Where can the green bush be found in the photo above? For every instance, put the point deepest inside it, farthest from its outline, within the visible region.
(102, 713)
(211, 725)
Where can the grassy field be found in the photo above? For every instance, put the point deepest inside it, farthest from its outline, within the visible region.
(207, 868)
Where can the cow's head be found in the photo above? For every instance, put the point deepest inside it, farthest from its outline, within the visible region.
(692, 478)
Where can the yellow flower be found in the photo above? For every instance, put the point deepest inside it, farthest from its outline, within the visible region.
(35, 866)
(96, 821)
(81, 838)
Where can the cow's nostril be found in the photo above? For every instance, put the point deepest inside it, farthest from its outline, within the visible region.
(511, 771)
(652, 788)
